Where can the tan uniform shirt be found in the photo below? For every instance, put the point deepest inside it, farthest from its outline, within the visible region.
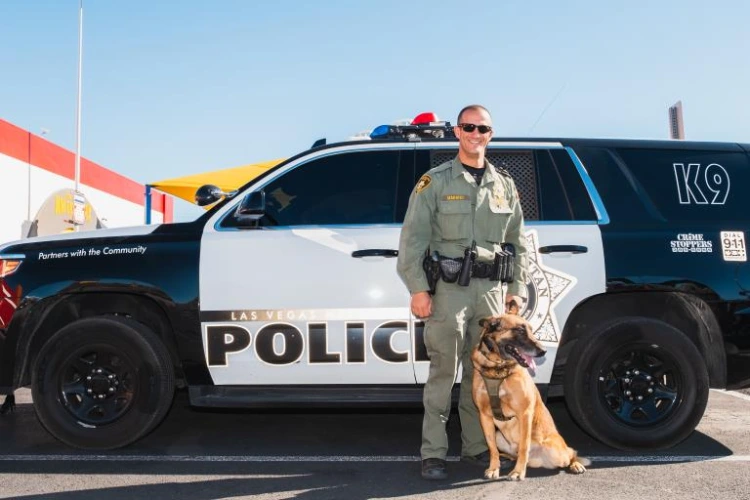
(447, 211)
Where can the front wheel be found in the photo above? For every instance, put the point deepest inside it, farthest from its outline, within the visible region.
(637, 383)
(101, 383)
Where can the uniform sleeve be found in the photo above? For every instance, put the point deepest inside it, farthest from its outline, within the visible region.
(415, 237)
(517, 236)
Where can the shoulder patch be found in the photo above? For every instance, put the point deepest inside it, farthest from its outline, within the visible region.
(423, 182)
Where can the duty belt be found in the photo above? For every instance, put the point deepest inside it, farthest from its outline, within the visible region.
(451, 270)
(451, 266)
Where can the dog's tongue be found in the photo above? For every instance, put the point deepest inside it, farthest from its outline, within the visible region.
(529, 361)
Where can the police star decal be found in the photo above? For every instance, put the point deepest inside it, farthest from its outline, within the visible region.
(545, 287)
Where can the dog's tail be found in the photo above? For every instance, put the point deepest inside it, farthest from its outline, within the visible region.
(576, 458)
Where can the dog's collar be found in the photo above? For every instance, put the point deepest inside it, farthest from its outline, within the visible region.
(501, 369)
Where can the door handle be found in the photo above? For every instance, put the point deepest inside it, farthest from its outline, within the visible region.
(563, 248)
(374, 252)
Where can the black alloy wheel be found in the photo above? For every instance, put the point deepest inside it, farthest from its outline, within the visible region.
(103, 382)
(98, 384)
(636, 384)
(640, 385)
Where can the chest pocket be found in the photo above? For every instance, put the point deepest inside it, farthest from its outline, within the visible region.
(496, 227)
(454, 219)
(494, 218)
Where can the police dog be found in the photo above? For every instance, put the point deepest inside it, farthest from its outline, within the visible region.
(507, 399)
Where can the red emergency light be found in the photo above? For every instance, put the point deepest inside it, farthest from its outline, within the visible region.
(425, 118)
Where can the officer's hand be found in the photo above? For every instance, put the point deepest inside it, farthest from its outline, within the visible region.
(421, 304)
(513, 304)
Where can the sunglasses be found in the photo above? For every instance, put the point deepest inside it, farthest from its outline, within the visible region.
(470, 127)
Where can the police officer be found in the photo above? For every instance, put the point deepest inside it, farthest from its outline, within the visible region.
(455, 204)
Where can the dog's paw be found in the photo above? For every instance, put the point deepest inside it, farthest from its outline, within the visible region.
(515, 476)
(492, 474)
(576, 468)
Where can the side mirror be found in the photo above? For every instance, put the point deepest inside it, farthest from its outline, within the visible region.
(252, 208)
(208, 194)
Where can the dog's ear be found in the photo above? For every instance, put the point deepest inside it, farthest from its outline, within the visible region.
(492, 346)
(483, 322)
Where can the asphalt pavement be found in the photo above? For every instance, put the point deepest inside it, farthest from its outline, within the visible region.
(355, 454)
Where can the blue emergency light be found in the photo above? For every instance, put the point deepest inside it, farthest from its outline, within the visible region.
(381, 132)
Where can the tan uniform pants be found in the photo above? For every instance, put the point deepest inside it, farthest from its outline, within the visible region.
(450, 334)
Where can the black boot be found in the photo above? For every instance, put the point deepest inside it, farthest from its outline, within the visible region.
(434, 468)
(483, 460)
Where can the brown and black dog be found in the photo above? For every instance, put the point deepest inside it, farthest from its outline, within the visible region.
(507, 399)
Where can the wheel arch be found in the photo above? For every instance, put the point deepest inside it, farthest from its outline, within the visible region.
(688, 313)
(68, 308)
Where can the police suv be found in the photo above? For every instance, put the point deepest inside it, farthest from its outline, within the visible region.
(285, 292)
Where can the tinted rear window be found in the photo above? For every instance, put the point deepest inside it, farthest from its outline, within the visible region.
(663, 185)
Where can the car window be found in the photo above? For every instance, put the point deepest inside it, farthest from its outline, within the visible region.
(670, 185)
(563, 193)
(553, 203)
(623, 205)
(406, 182)
(346, 188)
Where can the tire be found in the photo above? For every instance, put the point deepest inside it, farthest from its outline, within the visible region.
(620, 357)
(130, 389)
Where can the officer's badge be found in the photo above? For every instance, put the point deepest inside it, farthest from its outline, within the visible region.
(498, 201)
(423, 182)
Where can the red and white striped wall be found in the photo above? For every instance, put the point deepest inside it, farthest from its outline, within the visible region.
(32, 168)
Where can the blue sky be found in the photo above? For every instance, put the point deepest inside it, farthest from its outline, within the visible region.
(172, 88)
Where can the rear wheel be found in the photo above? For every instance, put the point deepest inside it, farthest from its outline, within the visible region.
(637, 383)
(102, 383)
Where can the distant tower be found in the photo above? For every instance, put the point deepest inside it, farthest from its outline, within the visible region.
(676, 125)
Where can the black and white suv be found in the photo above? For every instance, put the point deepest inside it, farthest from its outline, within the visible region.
(286, 293)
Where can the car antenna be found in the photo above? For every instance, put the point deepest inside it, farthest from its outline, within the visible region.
(548, 106)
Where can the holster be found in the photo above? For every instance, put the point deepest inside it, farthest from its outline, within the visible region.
(431, 267)
(504, 263)
(467, 265)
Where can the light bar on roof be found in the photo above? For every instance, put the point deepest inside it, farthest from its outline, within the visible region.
(423, 126)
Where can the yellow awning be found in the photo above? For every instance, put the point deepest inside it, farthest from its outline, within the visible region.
(227, 179)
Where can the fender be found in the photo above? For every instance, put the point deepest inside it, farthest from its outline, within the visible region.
(688, 313)
(151, 277)
(39, 318)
